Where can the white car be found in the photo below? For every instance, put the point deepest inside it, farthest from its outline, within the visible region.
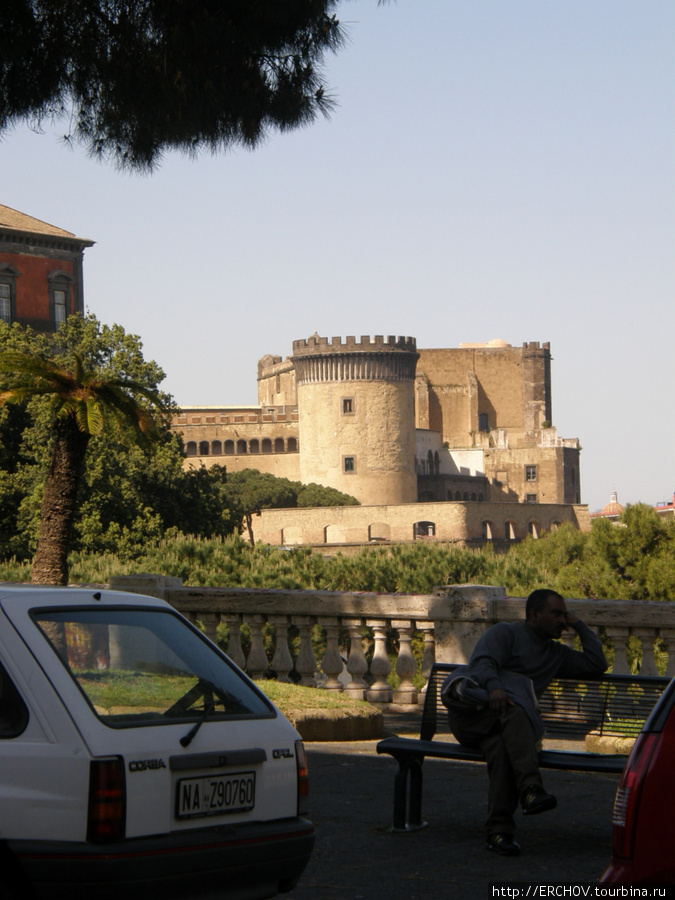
(136, 759)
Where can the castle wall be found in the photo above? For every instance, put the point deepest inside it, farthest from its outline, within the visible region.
(244, 437)
(464, 524)
(276, 382)
(509, 386)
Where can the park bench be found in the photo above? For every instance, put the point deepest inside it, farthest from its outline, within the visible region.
(607, 706)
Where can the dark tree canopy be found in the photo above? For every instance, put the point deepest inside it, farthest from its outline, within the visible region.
(138, 77)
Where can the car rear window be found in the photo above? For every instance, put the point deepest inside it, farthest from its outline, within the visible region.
(13, 712)
(141, 666)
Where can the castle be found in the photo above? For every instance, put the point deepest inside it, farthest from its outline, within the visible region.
(453, 444)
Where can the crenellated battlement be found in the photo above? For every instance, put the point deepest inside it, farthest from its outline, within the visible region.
(320, 345)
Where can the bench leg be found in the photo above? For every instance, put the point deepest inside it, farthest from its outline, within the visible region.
(408, 795)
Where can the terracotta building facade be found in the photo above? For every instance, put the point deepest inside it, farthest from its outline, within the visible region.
(41, 281)
(398, 427)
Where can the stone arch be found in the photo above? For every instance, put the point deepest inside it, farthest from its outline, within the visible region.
(292, 535)
(266, 445)
(203, 448)
(533, 529)
(334, 534)
(216, 448)
(241, 447)
(510, 533)
(191, 448)
(487, 530)
(229, 448)
(424, 529)
(292, 445)
(254, 446)
(379, 531)
(279, 445)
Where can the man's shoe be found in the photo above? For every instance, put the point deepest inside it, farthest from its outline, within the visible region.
(503, 844)
(535, 800)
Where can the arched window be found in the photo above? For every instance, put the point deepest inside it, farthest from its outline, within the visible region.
(241, 447)
(510, 531)
(424, 529)
(229, 448)
(216, 448)
(266, 445)
(292, 445)
(437, 463)
(255, 446)
(430, 463)
(191, 448)
(533, 529)
(203, 448)
(279, 445)
(473, 496)
(486, 529)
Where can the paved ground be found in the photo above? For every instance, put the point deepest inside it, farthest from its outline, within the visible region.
(356, 856)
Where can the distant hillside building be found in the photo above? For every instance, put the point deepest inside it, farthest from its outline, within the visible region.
(41, 281)
(399, 427)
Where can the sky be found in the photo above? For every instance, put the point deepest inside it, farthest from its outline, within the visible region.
(493, 169)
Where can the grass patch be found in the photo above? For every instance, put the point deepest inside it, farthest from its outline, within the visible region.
(295, 698)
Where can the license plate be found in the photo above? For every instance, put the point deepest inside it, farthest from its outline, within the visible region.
(215, 795)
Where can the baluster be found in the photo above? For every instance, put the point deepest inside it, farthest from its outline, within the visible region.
(667, 635)
(305, 664)
(282, 661)
(646, 637)
(405, 693)
(429, 652)
(234, 648)
(332, 664)
(357, 664)
(210, 622)
(257, 663)
(569, 638)
(379, 692)
(618, 635)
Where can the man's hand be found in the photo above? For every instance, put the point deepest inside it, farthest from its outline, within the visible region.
(570, 618)
(499, 701)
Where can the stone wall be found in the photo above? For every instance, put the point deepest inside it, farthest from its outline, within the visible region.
(459, 523)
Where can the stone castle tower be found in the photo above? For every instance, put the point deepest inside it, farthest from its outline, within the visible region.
(356, 405)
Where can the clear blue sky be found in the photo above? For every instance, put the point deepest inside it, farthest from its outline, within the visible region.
(494, 169)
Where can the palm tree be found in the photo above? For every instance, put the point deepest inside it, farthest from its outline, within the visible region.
(84, 403)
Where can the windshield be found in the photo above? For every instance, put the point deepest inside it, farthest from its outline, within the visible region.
(147, 666)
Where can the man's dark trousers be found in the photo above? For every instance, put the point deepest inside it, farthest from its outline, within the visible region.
(510, 749)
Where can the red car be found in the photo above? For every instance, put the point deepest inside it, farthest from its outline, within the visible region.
(643, 835)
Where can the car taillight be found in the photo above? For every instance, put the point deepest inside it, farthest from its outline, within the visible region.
(627, 800)
(107, 800)
(303, 778)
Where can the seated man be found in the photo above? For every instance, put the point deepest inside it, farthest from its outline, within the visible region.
(492, 704)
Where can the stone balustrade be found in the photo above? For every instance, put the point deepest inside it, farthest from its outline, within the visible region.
(354, 629)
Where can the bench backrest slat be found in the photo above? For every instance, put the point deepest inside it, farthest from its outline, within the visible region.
(616, 705)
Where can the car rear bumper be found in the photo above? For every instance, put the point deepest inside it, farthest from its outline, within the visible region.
(248, 861)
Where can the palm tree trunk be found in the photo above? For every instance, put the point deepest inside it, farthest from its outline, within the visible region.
(50, 564)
